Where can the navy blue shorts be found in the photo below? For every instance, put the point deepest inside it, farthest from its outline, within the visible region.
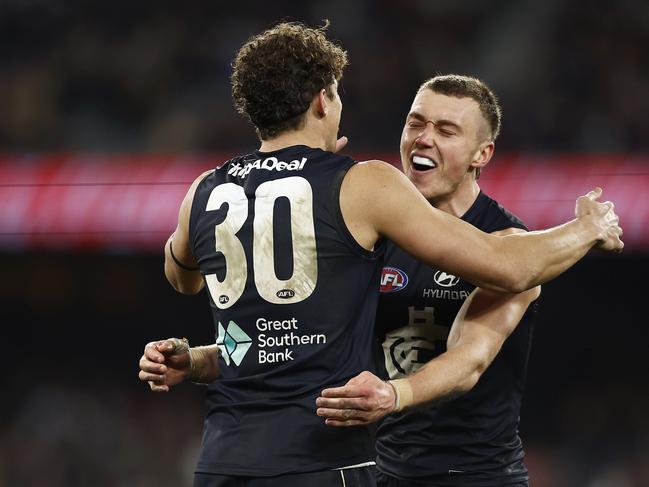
(352, 477)
(383, 480)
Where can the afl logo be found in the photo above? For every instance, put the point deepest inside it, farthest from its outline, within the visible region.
(393, 279)
(445, 280)
(285, 293)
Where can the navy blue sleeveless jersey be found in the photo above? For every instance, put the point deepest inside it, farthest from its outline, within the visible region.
(294, 299)
(472, 440)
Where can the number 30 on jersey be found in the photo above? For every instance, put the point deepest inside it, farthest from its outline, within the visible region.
(305, 269)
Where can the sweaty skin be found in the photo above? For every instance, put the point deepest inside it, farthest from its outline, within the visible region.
(378, 201)
(445, 140)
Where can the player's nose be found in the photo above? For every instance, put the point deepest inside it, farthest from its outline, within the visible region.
(426, 137)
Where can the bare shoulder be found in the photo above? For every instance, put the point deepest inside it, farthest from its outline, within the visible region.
(359, 197)
(192, 188)
(373, 169)
(375, 179)
(186, 205)
(373, 185)
(198, 180)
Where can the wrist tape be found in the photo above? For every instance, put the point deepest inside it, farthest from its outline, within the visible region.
(402, 392)
(196, 357)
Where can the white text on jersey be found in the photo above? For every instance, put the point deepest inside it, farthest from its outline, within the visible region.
(269, 164)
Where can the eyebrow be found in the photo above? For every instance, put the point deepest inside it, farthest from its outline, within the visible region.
(437, 123)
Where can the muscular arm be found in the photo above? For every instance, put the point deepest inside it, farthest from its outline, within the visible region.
(377, 201)
(479, 330)
(183, 273)
(481, 327)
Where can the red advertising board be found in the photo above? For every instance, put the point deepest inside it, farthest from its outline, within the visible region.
(130, 202)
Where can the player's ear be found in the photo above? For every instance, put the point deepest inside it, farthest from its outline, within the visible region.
(483, 155)
(319, 103)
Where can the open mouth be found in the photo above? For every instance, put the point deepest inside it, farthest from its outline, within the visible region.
(420, 163)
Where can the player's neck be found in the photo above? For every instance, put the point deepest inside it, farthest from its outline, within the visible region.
(459, 201)
(308, 138)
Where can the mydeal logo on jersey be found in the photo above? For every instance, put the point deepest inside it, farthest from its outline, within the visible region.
(268, 164)
(393, 279)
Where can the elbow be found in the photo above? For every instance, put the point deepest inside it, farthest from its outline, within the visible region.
(520, 285)
(472, 379)
(187, 288)
(479, 364)
(518, 280)
(184, 286)
(506, 276)
(508, 282)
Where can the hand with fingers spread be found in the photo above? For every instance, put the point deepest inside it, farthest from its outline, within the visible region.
(165, 363)
(604, 217)
(362, 400)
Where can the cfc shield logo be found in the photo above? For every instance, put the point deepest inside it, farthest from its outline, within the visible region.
(445, 280)
(408, 349)
(393, 279)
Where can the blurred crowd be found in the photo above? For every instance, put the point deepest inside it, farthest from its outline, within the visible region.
(114, 436)
(144, 76)
(74, 414)
(66, 436)
(154, 76)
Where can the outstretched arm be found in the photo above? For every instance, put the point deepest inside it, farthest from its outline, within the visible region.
(480, 328)
(378, 200)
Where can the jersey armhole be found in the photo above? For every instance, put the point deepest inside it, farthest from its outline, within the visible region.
(341, 226)
(193, 216)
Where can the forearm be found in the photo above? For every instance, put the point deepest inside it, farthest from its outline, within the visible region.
(372, 199)
(537, 257)
(479, 330)
(204, 364)
(444, 378)
(511, 263)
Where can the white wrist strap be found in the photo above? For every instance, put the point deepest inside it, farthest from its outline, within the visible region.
(402, 393)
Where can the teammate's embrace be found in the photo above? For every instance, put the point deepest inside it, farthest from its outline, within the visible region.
(290, 240)
(436, 325)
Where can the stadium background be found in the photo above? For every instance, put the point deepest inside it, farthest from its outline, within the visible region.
(108, 110)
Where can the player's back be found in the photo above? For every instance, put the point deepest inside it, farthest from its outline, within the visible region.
(293, 298)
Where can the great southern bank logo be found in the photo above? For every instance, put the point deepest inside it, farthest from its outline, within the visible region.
(233, 343)
(392, 280)
(445, 280)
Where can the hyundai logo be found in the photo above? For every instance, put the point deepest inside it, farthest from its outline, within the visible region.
(445, 280)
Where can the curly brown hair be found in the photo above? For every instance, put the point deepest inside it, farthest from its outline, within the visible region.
(467, 87)
(277, 73)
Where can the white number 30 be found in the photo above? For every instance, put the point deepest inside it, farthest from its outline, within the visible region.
(305, 270)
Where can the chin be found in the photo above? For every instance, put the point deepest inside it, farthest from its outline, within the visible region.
(428, 191)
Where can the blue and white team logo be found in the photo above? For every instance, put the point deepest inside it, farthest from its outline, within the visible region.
(409, 348)
(233, 343)
(393, 279)
(445, 280)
